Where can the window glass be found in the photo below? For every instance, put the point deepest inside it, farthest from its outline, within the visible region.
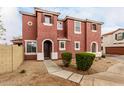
(77, 45)
(119, 36)
(47, 19)
(61, 45)
(77, 26)
(93, 26)
(59, 25)
(31, 47)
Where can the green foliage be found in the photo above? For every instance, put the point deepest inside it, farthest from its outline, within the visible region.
(66, 57)
(2, 29)
(84, 60)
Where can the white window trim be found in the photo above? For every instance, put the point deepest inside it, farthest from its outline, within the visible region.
(58, 27)
(26, 47)
(75, 45)
(94, 30)
(77, 32)
(60, 45)
(47, 24)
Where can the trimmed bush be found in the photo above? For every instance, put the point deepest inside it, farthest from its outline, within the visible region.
(84, 60)
(66, 58)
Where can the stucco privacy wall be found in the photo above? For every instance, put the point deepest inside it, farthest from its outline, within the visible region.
(11, 57)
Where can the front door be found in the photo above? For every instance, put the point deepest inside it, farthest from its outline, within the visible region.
(47, 49)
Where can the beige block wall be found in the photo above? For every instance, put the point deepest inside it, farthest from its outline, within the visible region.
(17, 56)
(11, 57)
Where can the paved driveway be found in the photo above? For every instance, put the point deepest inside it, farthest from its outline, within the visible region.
(119, 58)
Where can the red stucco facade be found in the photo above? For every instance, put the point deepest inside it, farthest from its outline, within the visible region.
(40, 32)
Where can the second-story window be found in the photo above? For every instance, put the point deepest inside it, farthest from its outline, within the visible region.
(59, 25)
(94, 27)
(47, 19)
(119, 36)
(77, 27)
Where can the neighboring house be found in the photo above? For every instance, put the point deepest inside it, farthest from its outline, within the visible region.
(17, 42)
(46, 37)
(113, 42)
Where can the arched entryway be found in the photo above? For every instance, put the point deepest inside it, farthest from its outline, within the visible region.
(47, 49)
(94, 47)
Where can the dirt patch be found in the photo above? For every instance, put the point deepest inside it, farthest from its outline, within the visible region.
(98, 66)
(35, 75)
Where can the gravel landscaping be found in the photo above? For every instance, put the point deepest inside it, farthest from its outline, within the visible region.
(98, 66)
(34, 74)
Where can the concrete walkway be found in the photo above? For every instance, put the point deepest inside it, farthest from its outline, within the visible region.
(119, 58)
(113, 76)
(57, 71)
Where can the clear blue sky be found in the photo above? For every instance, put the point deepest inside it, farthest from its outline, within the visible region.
(113, 17)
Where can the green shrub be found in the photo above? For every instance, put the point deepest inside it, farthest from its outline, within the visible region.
(84, 60)
(66, 58)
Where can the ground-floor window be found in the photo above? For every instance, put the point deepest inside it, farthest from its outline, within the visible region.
(77, 45)
(30, 47)
(62, 45)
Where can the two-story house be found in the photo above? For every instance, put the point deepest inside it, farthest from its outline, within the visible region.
(113, 42)
(45, 36)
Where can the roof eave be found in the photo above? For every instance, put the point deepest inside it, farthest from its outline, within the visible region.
(97, 22)
(26, 13)
(46, 11)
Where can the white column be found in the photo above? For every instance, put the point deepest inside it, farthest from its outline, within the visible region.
(40, 56)
(54, 55)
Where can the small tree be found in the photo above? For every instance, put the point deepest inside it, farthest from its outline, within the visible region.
(2, 29)
(66, 58)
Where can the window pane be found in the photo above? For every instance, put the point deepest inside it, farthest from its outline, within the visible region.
(77, 26)
(77, 45)
(28, 47)
(31, 47)
(59, 25)
(94, 47)
(62, 44)
(93, 26)
(34, 47)
(47, 19)
(119, 36)
(78, 29)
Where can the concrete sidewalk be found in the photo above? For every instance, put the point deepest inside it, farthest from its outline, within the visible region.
(114, 76)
